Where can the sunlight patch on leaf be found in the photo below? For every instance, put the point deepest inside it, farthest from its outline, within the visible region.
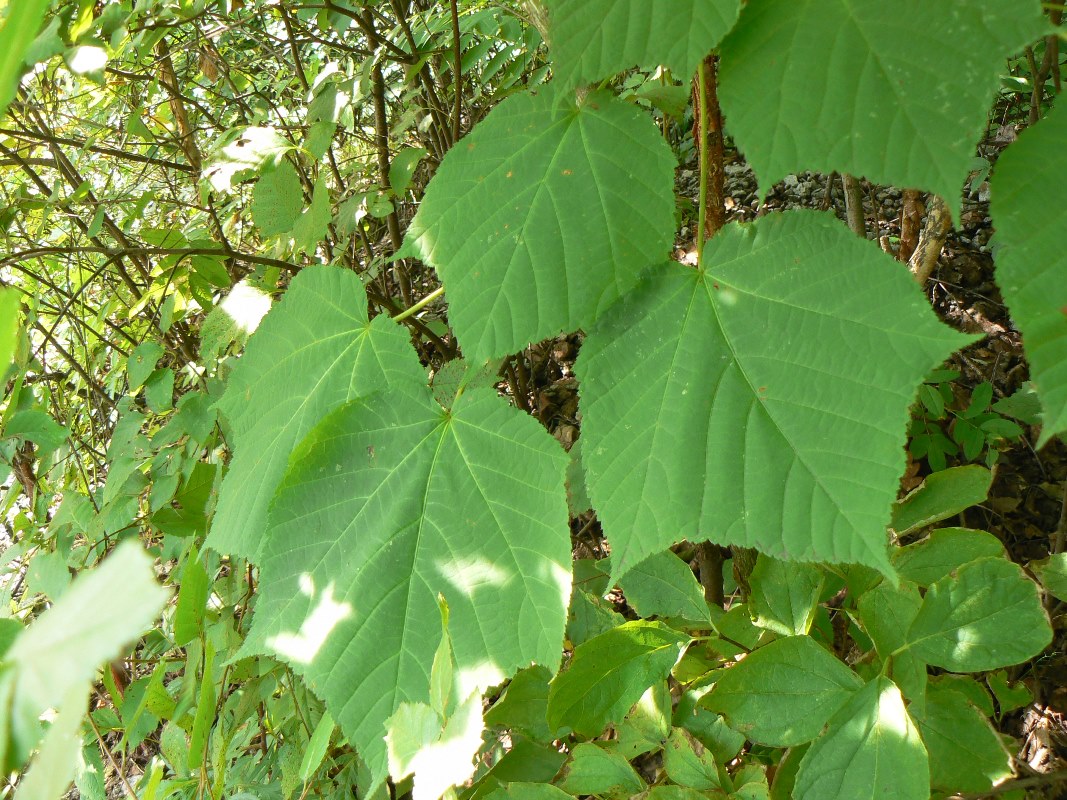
(87, 59)
(242, 153)
(440, 757)
(326, 613)
(246, 306)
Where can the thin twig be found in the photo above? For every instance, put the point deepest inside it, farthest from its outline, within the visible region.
(458, 77)
(130, 793)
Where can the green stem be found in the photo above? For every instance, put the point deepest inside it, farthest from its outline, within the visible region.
(419, 306)
(702, 149)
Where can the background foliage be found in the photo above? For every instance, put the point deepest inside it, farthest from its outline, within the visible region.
(304, 308)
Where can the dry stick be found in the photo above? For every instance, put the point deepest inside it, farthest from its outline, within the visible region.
(828, 192)
(1038, 75)
(709, 120)
(169, 81)
(381, 143)
(712, 218)
(437, 109)
(854, 205)
(931, 240)
(710, 559)
(130, 793)
(293, 50)
(911, 217)
(111, 152)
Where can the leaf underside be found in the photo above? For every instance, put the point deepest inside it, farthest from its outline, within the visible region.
(543, 216)
(762, 402)
(390, 501)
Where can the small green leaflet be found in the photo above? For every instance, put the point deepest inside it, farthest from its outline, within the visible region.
(192, 597)
(871, 751)
(966, 754)
(389, 502)
(943, 494)
(317, 747)
(987, 614)
(663, 585)
(609, 673)
(782, 694)
(896, 92)
(593, 39)
(524, 706)
(689, 763)
(945, 549)
(592, 770)
(1031, 262)
(784, 596)
(142, 362)
(313, 352)
(761, 402)
(277, 200)
(403, 168)
(313, 225)
(533, 221)
(241, 153)
(1053, 574)
(36, 426)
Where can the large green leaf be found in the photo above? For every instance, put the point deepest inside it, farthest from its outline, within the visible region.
(897, 92)
(592, 39)
(871, 751)
(762, 401)
(543, 216)
(783, 693)
(313, 352)
(1031, 259)
(609, 673)
(389, 502)
(986, 614)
